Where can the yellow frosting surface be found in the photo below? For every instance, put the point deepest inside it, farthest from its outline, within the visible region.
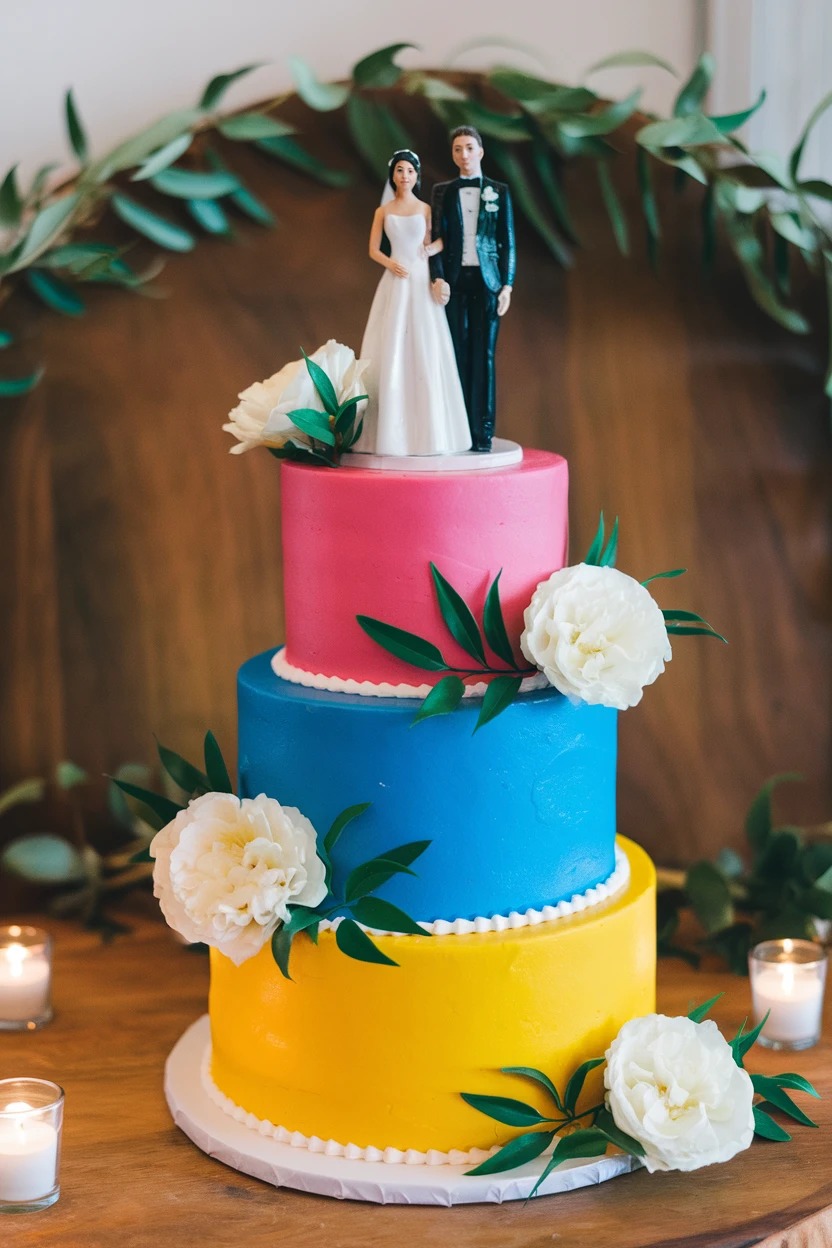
(377, 1055)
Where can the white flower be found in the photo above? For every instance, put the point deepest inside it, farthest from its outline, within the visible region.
(262, 418)
(489, 193)
(226, 870)
(597, 634)
(674, 1086)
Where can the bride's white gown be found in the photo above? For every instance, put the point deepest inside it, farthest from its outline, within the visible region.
(416, 406)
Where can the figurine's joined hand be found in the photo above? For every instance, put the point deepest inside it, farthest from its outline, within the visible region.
(504, 301)
(398, 270)
(441, 291)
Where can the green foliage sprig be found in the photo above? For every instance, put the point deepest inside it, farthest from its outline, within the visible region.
(594, 1139)
(782, 891)
(332, 431)
(460, 622)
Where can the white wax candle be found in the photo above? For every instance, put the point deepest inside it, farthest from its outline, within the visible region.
(28, 1158)
(795, 999)
(24, 984)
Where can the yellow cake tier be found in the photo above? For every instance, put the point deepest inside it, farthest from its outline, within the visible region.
(378, 1055)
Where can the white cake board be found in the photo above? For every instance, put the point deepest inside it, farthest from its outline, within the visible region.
(502, 454)
(238, 1146)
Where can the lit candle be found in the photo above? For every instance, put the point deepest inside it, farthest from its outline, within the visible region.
(787, 982)
(24, 977)
(31, 1117)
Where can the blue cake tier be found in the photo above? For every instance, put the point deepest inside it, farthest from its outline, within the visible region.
(520, 815)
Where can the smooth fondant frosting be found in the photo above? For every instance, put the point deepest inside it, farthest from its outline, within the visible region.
(520, 815)
(359, 542)
(376, 1056)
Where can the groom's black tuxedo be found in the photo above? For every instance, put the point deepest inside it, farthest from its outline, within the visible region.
(472, 309)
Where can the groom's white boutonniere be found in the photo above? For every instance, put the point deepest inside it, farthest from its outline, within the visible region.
(490, 198)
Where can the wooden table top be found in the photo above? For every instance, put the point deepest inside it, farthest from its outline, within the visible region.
(130, 1178)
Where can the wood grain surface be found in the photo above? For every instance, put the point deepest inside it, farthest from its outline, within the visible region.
(132, 1179)
(141, 565)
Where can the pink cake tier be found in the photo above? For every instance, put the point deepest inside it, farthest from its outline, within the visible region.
(360, 542)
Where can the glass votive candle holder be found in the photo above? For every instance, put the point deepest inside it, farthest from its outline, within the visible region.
(31, 1117)
(787, 982)
(25, 978)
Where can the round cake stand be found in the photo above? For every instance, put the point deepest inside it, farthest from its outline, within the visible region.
(238, 1146)
(502, 454)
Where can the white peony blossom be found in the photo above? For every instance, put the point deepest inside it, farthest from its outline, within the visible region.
(596, 634)
(674, 1086)
(262, 418)
(226, 870)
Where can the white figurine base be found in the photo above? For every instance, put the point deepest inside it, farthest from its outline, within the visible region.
(502, 454)
(282, 1165)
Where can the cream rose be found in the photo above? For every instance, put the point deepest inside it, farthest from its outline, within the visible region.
(227, 869)
(674, 1086)
(596, 634)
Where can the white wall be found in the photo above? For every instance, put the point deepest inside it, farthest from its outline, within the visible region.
(131, 60)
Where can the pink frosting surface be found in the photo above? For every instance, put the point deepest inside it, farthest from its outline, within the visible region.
(360, 542)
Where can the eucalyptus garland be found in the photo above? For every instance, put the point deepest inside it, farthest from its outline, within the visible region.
(534, 128)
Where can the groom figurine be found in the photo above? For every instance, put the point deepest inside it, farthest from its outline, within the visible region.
(474, 273)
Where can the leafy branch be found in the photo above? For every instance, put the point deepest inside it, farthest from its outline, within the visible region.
(331, 432)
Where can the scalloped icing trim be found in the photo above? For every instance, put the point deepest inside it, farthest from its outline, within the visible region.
(331, 1148)
(602, 892)
(366, 689)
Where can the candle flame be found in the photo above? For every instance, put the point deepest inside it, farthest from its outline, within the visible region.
(788, 945)
(16, 956)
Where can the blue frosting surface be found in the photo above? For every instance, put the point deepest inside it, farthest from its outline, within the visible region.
(520, 815)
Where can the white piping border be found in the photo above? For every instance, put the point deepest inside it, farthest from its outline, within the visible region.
(366, 689)
(530, 918)
(331, 1148)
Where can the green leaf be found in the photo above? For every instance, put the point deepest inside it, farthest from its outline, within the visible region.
(788, 226)
(215, 768)
(136, 150)
(699, 1012)
(552, 185)
(187, 184)
(758, 821)
(12, 387)
(158, 229)
(696, 88)
(161, 806)
(301, 918)
(604, 121)
(356, 944)
(379, 69)
(246, 127)
(516, 1153)
(678, 132)
(43, 859)
(341, 822)
(505, 1109)
(765, 1126)
(253, 207)
(634, 58)
(163, 157)
(11, 205)
(55, 293)
(742, 1043)
(529, 1072)
(772, 1092)
(289, 152)
(575, 1085)
(791, 1080)
(518, 85)
(587, 1142)
(728, 122)
(610, 554)
(443, 698)
(561, 101)
(281, 949)
(324, 97)
(31, 790)
(218, 86)
(313, 422)
(605, 1122)
(434, 88)
(814, 118)
(659, 576)
(323, 385)
(710, 896)
(371, 875)
(457, 616)
(407, 646)
(47, 226)
(648, 205)
(827, 273)
(614, 208)
(375, 132)
(181, 772)
(593, 555)
(494, 625)
(499, 695)
(527, 202)
(376, 912)
(681, 630)
(69, 775)
(815, 186)
(6, 339)
(210, 215)
(749, 251)
(77, 138)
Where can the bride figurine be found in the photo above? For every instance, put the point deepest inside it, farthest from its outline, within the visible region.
(416, 405)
